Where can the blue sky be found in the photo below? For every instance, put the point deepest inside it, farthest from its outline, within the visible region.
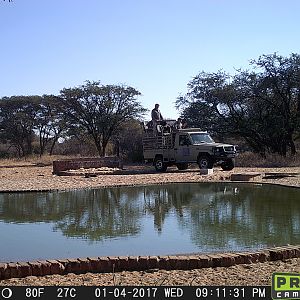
(156, 46)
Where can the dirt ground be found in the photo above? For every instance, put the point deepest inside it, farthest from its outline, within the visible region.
(32, 177)
(37, 177)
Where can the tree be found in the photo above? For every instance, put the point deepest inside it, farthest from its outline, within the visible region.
(129, 141)
(25, 118)
(280, 92)
(101, 110)
(18, 114)
(261, 105)
(50, 122)
(200, 106)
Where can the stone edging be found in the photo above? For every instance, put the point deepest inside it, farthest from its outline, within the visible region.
(143, 263)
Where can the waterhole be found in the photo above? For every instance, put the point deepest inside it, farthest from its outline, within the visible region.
(148, 220)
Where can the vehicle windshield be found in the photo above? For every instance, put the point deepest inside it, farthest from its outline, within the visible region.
(198, 138)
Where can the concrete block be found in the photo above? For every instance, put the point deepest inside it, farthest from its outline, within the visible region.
(95, 264)
(133, 263)
(2, 270)
(36, 268)
(206, 171)
(73, 266)
(56, 267)
(153, 262)
(114, 263)
(243, 258)
(163, 263)
(245, 176)
(205, 261)
(123, 263)
(46, 267)
(216, 260)
(259, 257)
(294, 250)
(143, 263)
(186, 262)
(106, 265)
(194, 262)
(14, 270)
(25, 269)
(85, 265)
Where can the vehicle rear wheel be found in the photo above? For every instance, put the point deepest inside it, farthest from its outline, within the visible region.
(228, 164)
(159, 164)
(205, 162)
(182, 166)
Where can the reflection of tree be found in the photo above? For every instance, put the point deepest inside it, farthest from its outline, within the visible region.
(31, 207)
(162, 200)
(251, 216)
(111, 213)
(157, 202)
(223, 216)
(92, 214)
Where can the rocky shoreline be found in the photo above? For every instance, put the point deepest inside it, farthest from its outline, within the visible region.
(40, 178)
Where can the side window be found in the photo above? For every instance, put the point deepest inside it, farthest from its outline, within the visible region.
(184, 140)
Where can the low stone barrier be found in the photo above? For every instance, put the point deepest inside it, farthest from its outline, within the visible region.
(59, 166)
(245, 176)
(140, 263)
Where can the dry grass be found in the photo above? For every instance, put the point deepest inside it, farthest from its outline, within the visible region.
(30, 161)
(249, 159)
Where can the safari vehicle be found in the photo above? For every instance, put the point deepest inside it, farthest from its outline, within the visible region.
(181, 147)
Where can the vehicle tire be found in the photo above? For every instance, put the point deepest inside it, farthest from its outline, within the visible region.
(182, 166)
(159, 164)
(205, 162)
(228, 164)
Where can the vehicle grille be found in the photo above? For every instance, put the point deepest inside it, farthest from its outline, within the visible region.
(229, 149)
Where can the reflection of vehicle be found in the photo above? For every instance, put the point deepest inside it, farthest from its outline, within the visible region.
(183, 146)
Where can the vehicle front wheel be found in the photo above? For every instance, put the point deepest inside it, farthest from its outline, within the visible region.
(205, 162)
(228, 165)
(159, 164)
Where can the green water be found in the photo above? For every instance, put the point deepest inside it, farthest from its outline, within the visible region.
(148, 220)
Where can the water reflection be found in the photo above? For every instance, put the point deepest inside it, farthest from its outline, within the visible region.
(257, 215)
(91, 214)
(203, 217)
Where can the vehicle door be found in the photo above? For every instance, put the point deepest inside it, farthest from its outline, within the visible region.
(183, 149)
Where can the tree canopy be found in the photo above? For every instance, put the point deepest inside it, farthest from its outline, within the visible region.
(101, 110)
(261, 105)
(24, 117)
(88, 112)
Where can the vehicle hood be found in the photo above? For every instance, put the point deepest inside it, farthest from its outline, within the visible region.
(214, 144)
(221, 145)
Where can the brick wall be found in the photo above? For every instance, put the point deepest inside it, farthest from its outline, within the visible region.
(86, 162)
(139, 263)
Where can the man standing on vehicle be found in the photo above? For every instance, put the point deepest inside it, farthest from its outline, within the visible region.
(156, 117)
